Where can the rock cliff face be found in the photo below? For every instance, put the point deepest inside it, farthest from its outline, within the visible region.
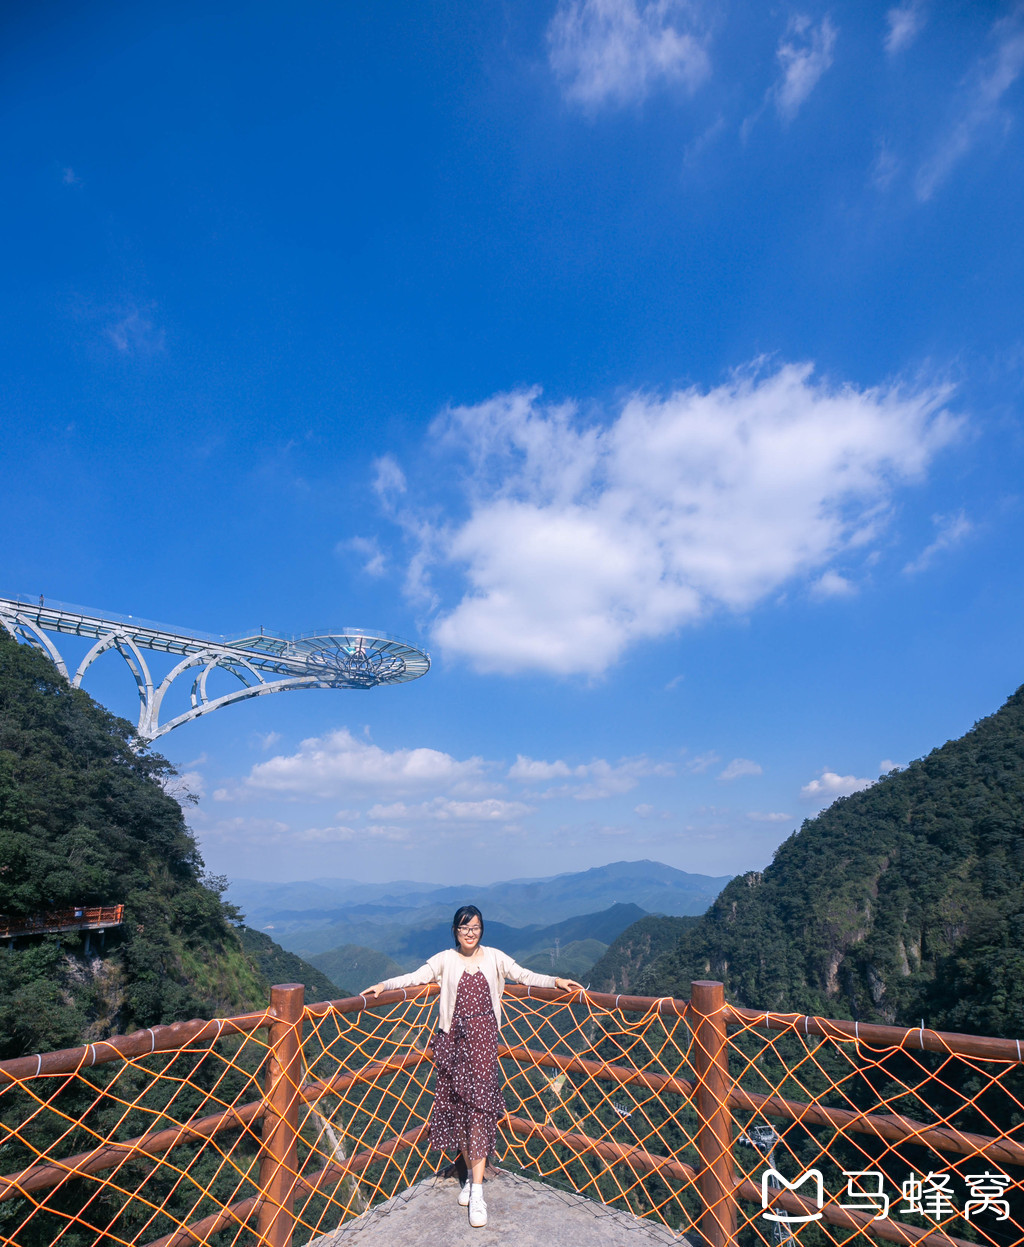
(901, 902)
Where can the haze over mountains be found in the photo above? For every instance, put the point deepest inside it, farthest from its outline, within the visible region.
(560, 924)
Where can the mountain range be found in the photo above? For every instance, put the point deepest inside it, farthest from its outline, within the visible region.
(359, 933)
(405, 919)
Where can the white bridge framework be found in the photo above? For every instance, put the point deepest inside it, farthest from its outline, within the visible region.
(343, 658)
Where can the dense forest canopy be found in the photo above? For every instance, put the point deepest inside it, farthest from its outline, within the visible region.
(901, 902)
(84, 820)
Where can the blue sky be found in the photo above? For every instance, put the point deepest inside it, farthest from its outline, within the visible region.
(657, 366)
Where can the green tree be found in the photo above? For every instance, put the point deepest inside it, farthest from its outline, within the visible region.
(84, 820)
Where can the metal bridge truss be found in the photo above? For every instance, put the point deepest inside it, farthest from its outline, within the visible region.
(346, 658)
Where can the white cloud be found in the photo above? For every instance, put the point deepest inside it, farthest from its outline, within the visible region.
(584, 539)
(952, 530)
(338, 764)
(832, 785)
(978, 110)
(267, 740)
(341, 834)
(374, 562)
(884, 168)
(645, 810)
(134, 333)
(831, 585)
(193, 782)
(804, 54)
(246, 831)
(703, 762)
(616, 51)
(596, 780)
(532, 770)
(886, 765)
(906, 22)
(389, 480)
(444, 809)
(739, 767)
(759, 816)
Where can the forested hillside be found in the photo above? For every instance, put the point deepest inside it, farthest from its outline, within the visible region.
(622, 966)
(84, 821)
(353, 967)
(901, 902)
(277, 965)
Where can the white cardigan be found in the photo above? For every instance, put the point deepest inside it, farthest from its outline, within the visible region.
(448, 966)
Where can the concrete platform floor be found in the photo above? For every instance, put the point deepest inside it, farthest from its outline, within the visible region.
(521, 1212)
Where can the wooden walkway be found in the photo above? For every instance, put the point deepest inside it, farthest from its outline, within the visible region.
(78, 918)
(521, 1212)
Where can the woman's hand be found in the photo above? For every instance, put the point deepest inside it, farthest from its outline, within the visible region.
(569, 985)
(374, 991)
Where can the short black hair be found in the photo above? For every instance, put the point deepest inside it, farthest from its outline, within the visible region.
(463, 914)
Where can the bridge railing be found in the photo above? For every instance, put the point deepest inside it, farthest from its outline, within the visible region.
(742, 1126)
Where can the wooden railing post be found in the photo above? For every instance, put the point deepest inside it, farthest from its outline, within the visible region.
(716, 1180)
(280, 1159)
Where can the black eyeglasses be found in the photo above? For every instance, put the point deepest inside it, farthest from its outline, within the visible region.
(465, 926)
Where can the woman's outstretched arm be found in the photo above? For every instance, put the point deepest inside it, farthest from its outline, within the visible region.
(427, 973)
(530, 978)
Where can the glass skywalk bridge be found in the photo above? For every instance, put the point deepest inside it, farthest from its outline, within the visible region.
(262, 661)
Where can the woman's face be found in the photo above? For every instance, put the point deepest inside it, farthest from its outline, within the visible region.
(468, 934)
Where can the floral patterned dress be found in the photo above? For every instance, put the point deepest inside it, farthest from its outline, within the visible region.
(468, 1103)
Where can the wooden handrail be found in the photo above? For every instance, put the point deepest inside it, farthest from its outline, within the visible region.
(39, 1177)
(620, 1074)
(201, 1231)
(315, 1089)
(313, 1183)
(872, 1035)
(912, 1039)
(141, 1043)
(891, 1126)
(661, 1006)
(616, 1153)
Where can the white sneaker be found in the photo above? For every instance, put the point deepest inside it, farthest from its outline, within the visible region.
(477, 1207)
(464, 1193)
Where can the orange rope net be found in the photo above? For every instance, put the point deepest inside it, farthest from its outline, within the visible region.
(746, 1126)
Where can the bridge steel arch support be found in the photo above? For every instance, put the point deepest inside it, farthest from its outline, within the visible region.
(335, 658)
(26, 630)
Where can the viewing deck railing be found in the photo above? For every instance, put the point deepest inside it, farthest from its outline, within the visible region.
(279, 1126)
(78, 918)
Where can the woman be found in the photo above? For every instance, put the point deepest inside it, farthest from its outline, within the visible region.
(467, 1098)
